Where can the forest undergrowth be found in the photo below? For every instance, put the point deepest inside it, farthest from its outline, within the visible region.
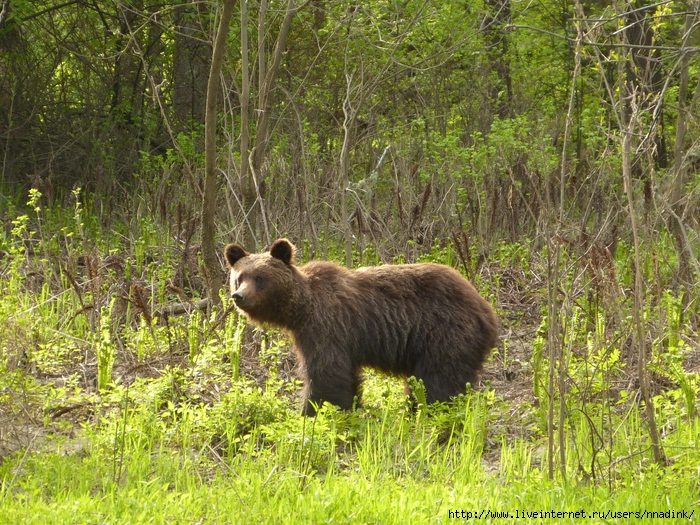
(123, 401)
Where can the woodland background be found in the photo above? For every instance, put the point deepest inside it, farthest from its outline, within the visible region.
(549, 149)
(425, 118)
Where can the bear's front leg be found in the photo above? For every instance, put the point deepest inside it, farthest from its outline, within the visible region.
(337, 385)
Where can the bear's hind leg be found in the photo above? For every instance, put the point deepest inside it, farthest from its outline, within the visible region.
(442, 385)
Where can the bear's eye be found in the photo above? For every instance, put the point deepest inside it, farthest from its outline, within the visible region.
(237, 283)
(259, 280)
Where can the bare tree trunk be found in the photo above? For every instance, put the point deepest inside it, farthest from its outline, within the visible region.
(676, 222)
(212, 267)
(248, 189)
(252, 196)
(190, 64)
(631, 96)
(644, 71)
(639, 291)
(553, 259)
(262, 59)
(348, 126)
(268, 86)
(499, 16)
(557, 351)
(554, 340)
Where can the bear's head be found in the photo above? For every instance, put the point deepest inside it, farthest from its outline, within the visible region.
(262, 284)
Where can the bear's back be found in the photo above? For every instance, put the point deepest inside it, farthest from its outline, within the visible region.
(400, 309)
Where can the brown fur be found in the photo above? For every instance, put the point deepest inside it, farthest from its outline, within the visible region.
(422, 320)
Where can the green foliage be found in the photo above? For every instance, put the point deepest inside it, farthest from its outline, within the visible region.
(418, 391)
(234, 341)
(669, 362)
(439, 253)
(516, 254)
(105, 350)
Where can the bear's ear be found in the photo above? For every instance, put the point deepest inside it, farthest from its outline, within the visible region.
(233, 253)
(283, 250)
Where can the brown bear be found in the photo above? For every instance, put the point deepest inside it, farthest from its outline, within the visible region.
(422, 320)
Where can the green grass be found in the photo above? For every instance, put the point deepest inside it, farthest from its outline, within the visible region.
(250, 458)
(387, 476)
